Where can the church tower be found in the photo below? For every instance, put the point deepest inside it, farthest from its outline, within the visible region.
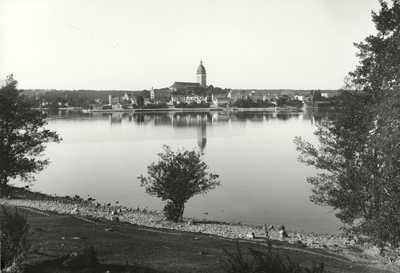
(202, 75)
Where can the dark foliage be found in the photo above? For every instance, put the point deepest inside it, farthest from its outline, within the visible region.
(359, 151)
(176, 178)
(194, 104)
(265, 262)
(15, 235)
(249, 103)
(22, 136)
(155, 106)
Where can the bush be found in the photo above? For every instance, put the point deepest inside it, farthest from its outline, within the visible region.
(267, 262)
(15, 235)
(5, 190)
(85, 260)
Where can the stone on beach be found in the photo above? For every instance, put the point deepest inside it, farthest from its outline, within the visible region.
(75, 211)
(250, 235)
(283, 234)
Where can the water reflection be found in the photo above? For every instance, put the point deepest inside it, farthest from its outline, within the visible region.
(103, 153)
(198, 120)
(192, 119)
(202, 133)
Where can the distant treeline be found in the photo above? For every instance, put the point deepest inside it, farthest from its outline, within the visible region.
(76, 98)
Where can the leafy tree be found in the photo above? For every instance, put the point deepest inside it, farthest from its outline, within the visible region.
(317, 95)
(295, 103)
(200, 91)
(176, 178)
(140, 101)
(146, 94)
(204, 104)
(359, 151)
(22, 137)
(281, 101)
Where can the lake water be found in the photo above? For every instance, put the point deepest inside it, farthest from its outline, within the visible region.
(102, 154)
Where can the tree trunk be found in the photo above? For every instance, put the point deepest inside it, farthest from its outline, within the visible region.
(180, 217)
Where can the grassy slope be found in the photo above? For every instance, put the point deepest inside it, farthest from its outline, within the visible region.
(132, 248)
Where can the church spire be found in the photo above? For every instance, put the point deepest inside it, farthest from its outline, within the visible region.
(201, 74)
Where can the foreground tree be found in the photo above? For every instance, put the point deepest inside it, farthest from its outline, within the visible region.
(359, 151)
(22, 137)
(176, 178)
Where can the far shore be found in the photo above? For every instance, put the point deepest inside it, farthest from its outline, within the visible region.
(223, 110)
(229, 110)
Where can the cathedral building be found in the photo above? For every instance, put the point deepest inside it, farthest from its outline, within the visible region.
(201, 80)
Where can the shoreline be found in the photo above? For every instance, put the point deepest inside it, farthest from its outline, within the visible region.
(353, 248)
(222, 110)
(146, 217)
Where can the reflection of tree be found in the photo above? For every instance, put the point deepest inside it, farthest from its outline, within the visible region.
(116, 118)
(283, 116)
(162, 119)
(152, 118)
(139, 118)
(268, 116)
(329, 115)
(257, 117)
(317, 116)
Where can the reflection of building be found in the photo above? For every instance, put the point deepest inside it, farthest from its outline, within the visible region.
(201, 81)
(202, 133)
(198, 120)
(115, 118)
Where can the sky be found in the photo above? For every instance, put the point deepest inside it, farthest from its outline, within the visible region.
(140, 44)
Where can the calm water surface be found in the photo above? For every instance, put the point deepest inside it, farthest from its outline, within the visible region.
(102, 155)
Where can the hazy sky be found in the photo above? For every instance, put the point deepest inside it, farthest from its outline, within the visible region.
(139, 44)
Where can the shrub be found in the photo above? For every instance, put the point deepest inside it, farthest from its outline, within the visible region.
(176, 178)
(15, 235)
(85, 260)
(267, 262)
(5, 190)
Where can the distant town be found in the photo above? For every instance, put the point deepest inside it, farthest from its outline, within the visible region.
(182, 95)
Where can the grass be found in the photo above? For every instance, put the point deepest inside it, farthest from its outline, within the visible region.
(123, 247)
